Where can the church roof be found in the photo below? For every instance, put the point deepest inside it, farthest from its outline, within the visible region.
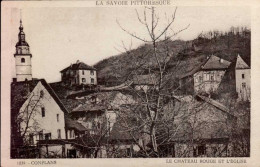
(21, 42)
(215, 62)
(240, 63)
(78, 66)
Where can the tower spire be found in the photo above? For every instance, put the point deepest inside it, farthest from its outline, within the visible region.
(21, 23)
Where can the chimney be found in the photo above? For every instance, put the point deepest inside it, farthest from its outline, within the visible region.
(14, 80)
(77, 62)
(221, 60)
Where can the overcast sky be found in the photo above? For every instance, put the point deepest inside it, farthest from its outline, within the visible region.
(61, 36)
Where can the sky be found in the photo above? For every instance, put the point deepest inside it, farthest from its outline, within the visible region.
(61, 36)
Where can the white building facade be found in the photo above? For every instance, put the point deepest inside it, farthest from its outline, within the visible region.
(79, 74)
(42, 118)
(243, 79)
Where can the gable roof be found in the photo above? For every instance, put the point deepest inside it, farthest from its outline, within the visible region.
(215, 63)
(78, 66)
(210, 101)
(193, 71)
(212, 63)
(240, 63)
(21, 90)
(214, 103)
(211, 122)
(104, 100)
(72, 124)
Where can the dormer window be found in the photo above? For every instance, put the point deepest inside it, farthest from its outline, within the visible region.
(22, 60)
(92, 72)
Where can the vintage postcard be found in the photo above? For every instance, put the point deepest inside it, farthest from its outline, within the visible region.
(130, 82)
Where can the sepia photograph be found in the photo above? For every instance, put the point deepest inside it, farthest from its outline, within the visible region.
(164, 88)
(129, 82)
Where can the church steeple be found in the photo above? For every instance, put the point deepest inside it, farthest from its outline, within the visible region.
(22, 57)
(21, 37)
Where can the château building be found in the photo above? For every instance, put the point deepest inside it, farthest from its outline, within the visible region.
(79, 73)
(207, 77)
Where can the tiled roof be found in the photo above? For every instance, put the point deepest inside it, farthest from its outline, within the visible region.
(215, 62)
(214, 103)
(212, 63)
(72, 124)
(89, 107)
(78, 66)
(102, 101)
(211, 119)
(193, 71)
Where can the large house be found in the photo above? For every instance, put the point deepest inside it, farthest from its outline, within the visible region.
(38, 120)
(207, 128)
(79, 73)
(207, 77)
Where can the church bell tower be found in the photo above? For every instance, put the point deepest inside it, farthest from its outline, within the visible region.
(22, 57)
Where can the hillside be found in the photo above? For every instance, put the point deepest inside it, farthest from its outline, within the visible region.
(188, 54)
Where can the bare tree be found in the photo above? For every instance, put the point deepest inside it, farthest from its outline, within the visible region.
(153, 82)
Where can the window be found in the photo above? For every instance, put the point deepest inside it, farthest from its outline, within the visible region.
(128, 152)
(212, 78)
(243, 76)
(31, 138)
(98, 125)
(83, 72)
(83, 79)
(92, 72)
(72, 134)
(43, 112)
(41, 135)
(92, 80)
(201, 150)
(41, 93)
(22, 60)
(58, 117)
(206, 77)
(47, 136)
(59, 136)
(243, 85)
(200, 79)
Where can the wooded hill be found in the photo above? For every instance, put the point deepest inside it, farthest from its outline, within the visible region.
(188, 54)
